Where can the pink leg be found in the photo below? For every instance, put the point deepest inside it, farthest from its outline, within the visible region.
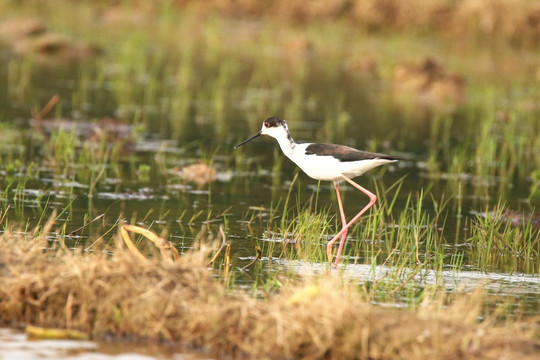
(373, 199)
(329, 251)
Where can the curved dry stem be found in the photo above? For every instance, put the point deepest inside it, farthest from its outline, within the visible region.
(164, 246)
(223, 244)
(257, 258)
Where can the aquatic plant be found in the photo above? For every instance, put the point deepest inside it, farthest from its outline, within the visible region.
(503, 239)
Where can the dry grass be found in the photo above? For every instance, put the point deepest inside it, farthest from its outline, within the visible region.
(518, 20)
(120, 296)
(428, 85)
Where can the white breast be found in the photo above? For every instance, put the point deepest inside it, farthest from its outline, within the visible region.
(329, 168)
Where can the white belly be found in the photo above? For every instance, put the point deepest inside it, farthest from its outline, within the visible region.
(329, 168)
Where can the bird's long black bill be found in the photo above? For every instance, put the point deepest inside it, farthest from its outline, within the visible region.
(249, 139)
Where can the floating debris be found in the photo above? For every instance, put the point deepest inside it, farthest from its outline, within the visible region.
(15, 29)
(518, 218)
(429, 85)
(36, 332)
(31, 36)
(199, 174)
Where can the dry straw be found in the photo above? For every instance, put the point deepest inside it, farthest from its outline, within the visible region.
(119, 295)
(517, 20)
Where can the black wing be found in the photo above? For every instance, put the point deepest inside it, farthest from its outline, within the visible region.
(345, 153)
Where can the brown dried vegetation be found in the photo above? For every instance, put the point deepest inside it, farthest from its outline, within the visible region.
(117, 295)
(31, 36)
(517, 20)
(200, 173)
(428, 85)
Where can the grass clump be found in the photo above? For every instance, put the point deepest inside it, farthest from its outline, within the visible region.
(116, 294)
(505, 239)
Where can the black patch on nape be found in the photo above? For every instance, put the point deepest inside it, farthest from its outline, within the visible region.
(275, 121)
(344, 153)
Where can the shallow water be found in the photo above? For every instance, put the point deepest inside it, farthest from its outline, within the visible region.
(141, 112)
(516, 286)
(15, 345)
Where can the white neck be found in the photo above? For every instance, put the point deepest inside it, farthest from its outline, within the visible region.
(286, 144)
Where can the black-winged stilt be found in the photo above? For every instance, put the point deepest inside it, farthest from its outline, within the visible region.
(327, 162)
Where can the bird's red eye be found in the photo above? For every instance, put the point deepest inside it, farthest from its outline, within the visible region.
(266, 124)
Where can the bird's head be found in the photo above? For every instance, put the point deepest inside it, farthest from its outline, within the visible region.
(274, 127)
